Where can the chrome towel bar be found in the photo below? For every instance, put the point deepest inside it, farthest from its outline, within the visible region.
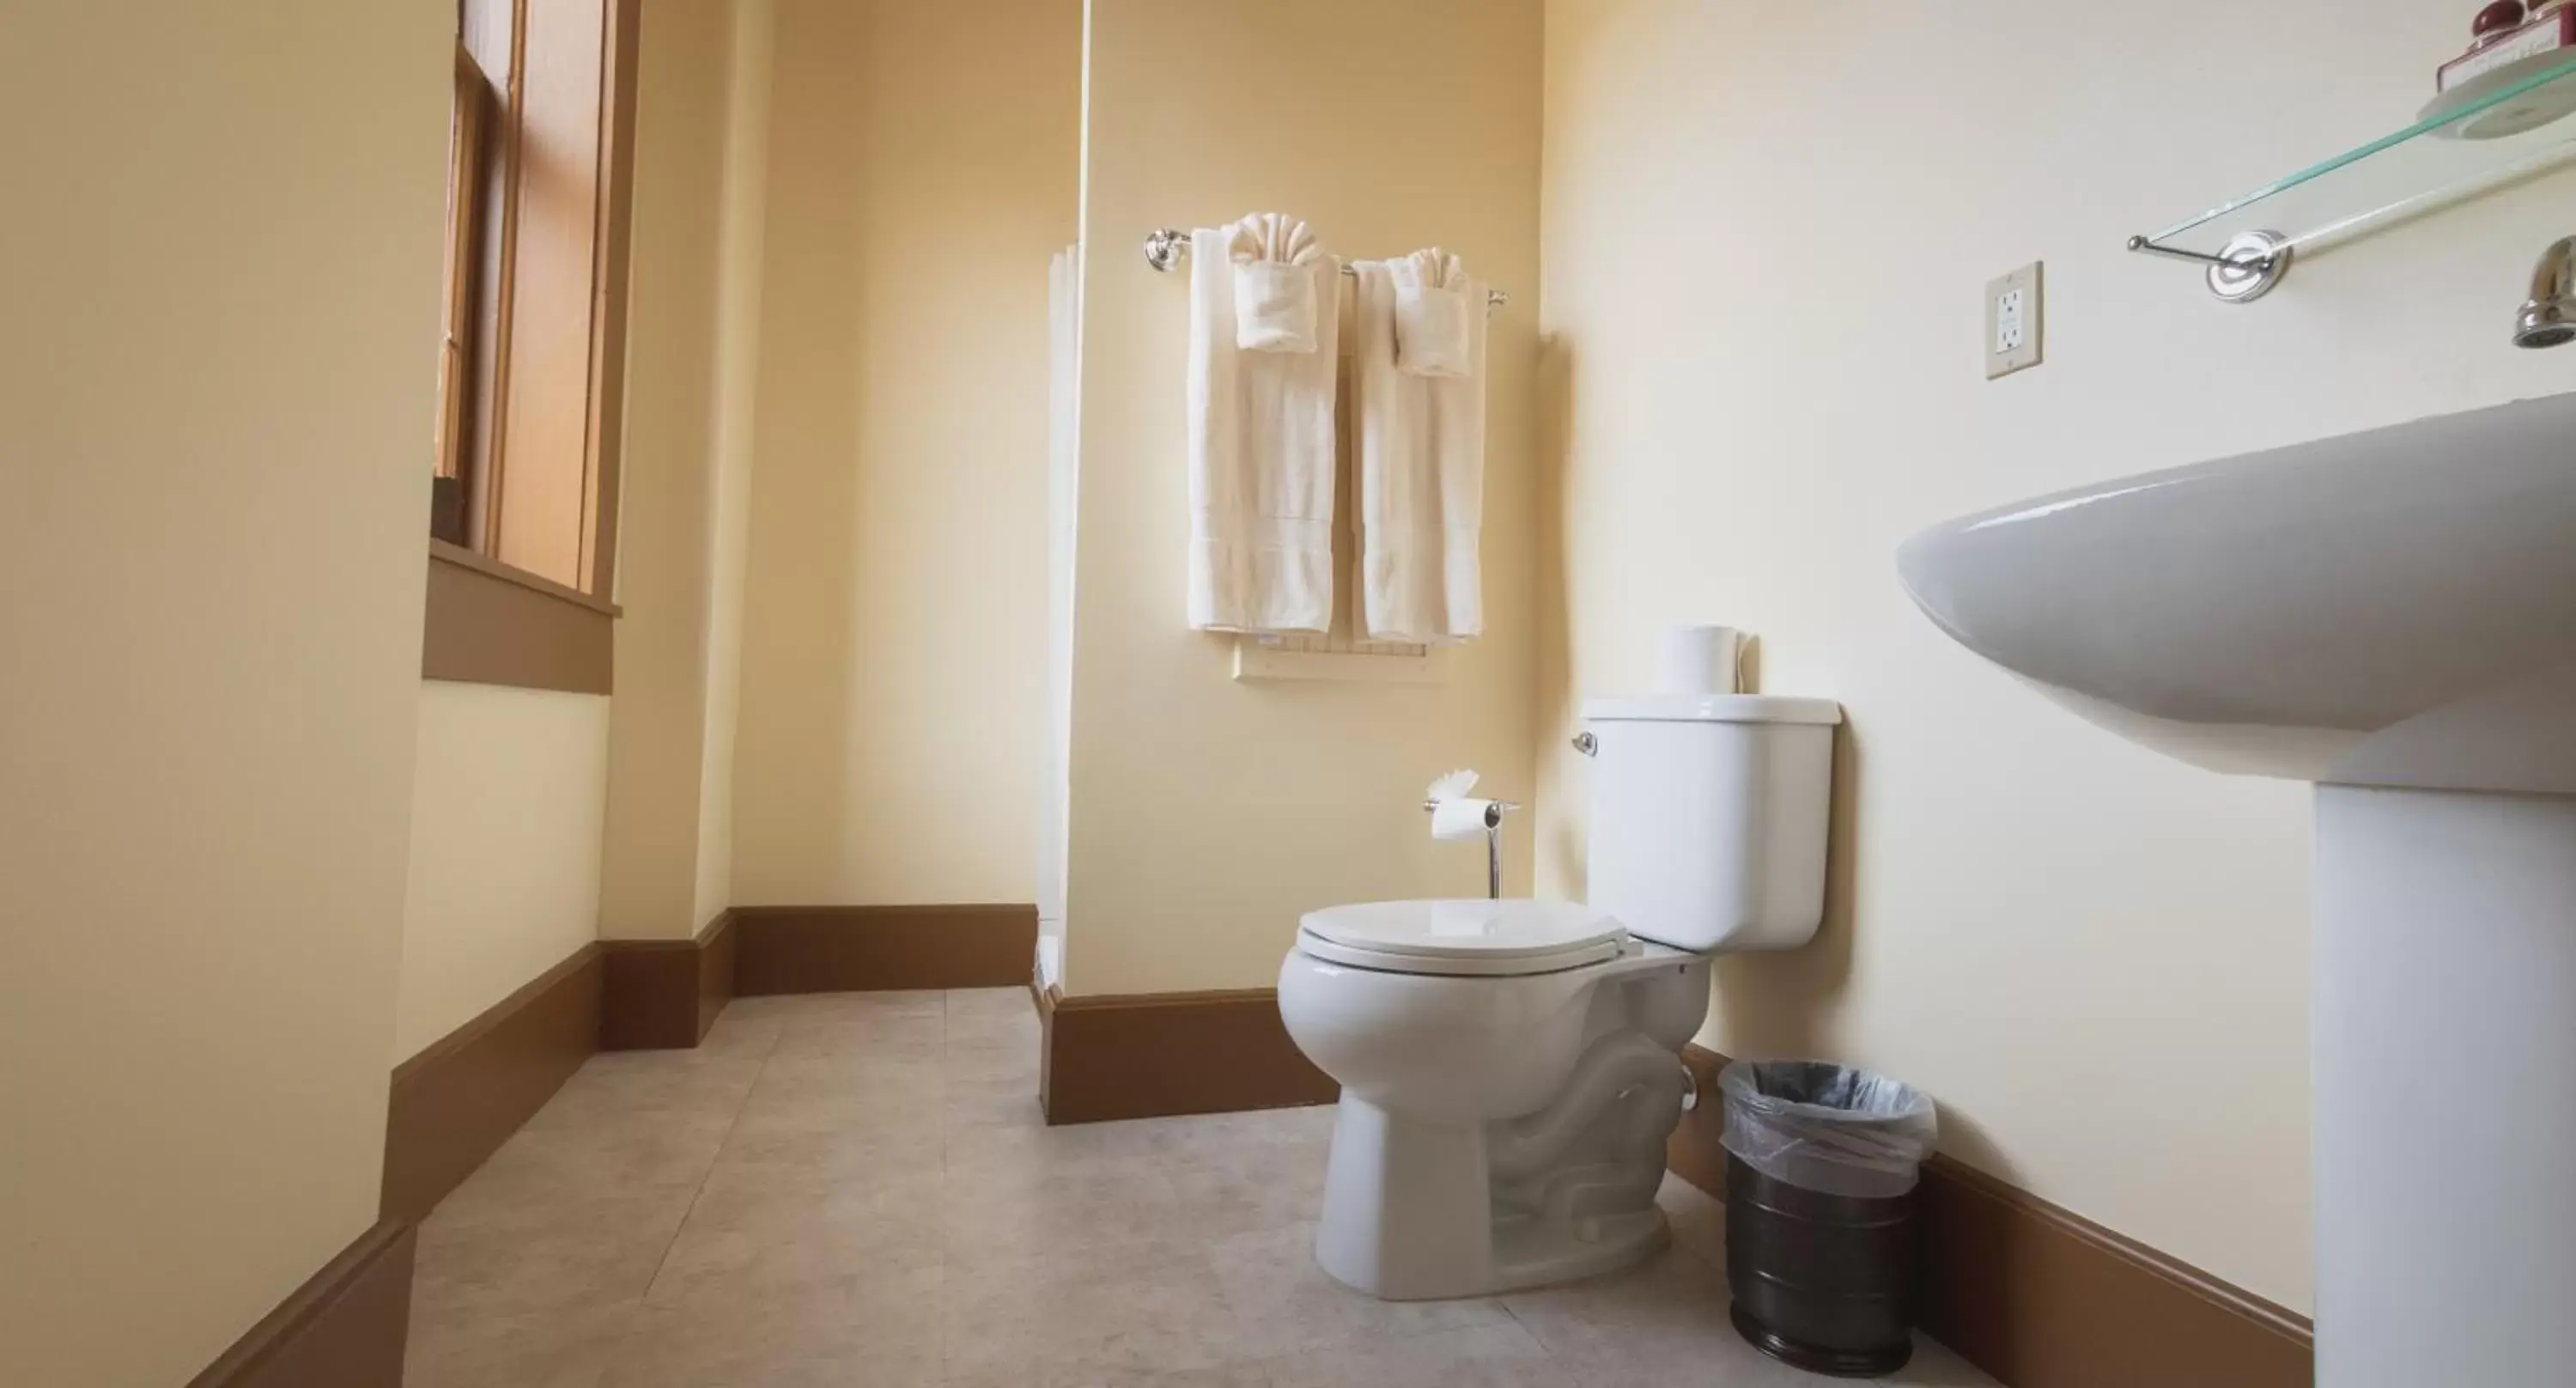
(1164, 247)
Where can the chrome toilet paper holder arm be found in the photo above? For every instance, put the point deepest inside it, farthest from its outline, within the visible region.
(1494, 812)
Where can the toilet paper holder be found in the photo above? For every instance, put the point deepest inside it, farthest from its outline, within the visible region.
(1494, 812)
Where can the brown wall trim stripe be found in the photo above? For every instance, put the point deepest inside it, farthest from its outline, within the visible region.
(343, 1328)
(841, 949)
(2040, 1297)
(455, 1103)
(1162, 1054)
(486, 623)
(665, 994)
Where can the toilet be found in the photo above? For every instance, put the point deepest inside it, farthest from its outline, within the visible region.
(1510, 1069)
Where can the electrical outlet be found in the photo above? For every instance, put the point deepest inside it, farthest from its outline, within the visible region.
(2015, 319)
(2009, 332)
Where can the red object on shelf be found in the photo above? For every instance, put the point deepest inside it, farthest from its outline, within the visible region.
(2496, 20)
(2552, 31)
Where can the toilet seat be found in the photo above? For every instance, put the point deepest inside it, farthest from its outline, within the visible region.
(1462, 938)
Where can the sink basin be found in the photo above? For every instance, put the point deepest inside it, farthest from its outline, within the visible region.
(2393, 616)
(2390, 608)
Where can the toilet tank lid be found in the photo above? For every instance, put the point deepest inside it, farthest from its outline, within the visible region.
(1512, 928)
(1713, 708)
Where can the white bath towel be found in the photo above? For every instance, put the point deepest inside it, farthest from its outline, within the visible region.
(1434, 315)
(1421, 464)
(1274, 283)
(1261, 442)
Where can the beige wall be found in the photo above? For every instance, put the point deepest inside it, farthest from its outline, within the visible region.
(506, 796)
(215, 416)
(1206, 813)
(740, 235)
(1768, 227)
(922, 168)
(702, 110)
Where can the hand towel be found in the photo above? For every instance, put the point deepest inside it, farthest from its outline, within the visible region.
(1421, 464)
(1260, 445)
(1432, 314)
(1274, 283)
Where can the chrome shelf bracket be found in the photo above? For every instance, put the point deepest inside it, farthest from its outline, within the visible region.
(2245, 269)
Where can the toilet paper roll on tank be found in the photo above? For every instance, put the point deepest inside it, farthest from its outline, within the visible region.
(1694, 659)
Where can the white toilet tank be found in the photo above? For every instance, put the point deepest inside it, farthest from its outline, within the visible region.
(1709, 816)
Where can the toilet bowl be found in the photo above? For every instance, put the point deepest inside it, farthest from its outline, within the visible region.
(1511, 1069)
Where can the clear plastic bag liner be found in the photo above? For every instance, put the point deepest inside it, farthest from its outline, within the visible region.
(1827, 1128)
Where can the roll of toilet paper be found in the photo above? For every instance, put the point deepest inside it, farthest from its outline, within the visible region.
(1461, 818)
(1698, 660)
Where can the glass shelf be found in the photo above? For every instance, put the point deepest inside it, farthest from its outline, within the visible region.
(2517, 127)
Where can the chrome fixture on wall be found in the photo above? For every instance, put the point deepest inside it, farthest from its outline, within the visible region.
(2245, 269)
(1493, 843)
(2548, 317)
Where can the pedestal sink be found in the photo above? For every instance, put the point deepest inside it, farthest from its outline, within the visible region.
(2391, 615)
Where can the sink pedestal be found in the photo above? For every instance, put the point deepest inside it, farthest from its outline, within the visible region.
(2445, 1065)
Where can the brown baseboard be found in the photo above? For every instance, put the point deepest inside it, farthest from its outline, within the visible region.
(455, 1103)
(1163, 1054)
(2041, 1297)
(849, 949)
(1047, 996)
(665, 994)
(344, 1327)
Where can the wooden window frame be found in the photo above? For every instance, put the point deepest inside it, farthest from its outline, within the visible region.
(485, 621)
(468, 130)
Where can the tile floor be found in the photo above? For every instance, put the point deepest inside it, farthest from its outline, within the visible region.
(857, 1191)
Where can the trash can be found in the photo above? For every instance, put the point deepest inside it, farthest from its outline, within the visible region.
(1821, 1164)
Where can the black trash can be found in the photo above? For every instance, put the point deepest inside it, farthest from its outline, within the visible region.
(1821, 1167)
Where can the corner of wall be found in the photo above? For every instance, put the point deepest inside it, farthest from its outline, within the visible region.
(741, 259)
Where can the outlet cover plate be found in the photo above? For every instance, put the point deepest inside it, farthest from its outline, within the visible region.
(2015, 321)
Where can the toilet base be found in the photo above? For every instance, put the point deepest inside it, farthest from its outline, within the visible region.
(1532, 1252)
(1409, 1215)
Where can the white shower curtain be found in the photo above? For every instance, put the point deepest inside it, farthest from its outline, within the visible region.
(1064, 297)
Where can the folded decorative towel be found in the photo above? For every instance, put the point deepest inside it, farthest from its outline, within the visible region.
(1433, 314)
(1261, 441)
(1274, 284)
(1421, 464)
